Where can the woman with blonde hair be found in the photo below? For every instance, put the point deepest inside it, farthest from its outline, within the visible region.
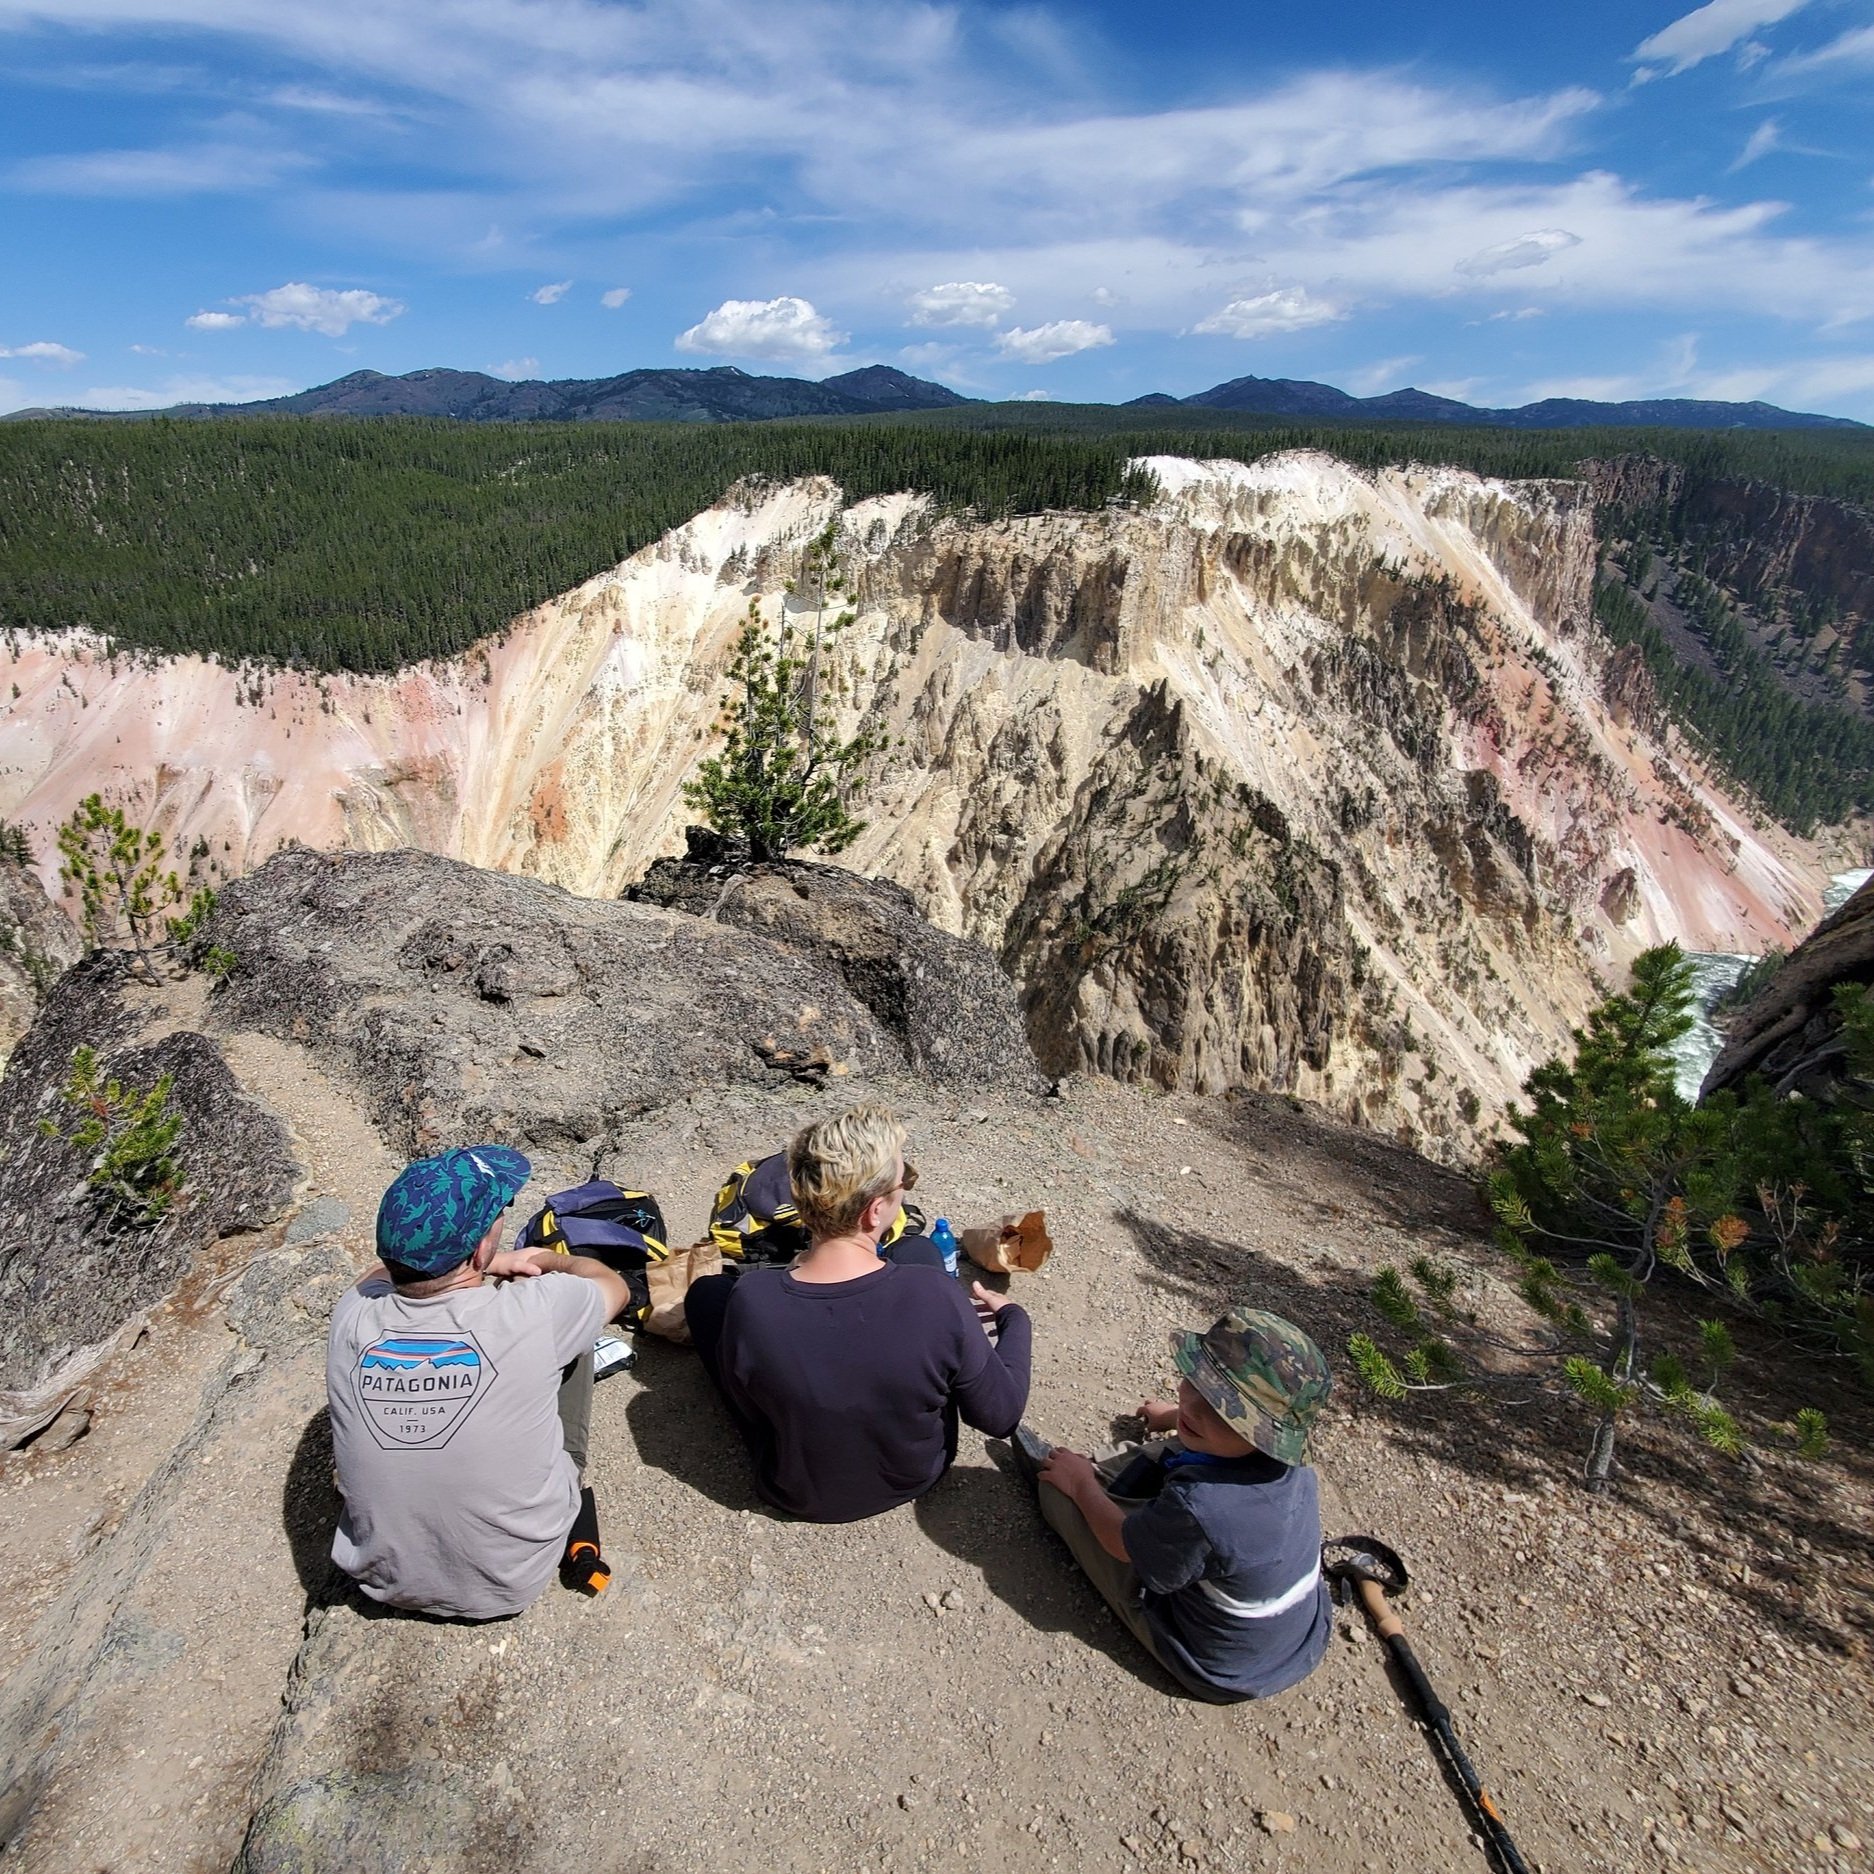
(845, 1373)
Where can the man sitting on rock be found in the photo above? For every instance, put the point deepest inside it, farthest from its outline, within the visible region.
(845, 1373)
(459, 1377)
(1206, 1542)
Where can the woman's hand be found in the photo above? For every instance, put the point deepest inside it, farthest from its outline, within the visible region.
(1158, 1415)
(1069, 1472)
(987, 1304)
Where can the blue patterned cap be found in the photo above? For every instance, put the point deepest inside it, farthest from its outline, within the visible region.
(438, 1209)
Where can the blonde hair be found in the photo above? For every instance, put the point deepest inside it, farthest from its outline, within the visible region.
(838, 1166)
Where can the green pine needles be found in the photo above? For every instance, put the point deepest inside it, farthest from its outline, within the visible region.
(1615, 1178)
(124, 891)
(783, 781)
(129, 1137)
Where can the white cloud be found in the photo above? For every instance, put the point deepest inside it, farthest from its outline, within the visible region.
(1708, 30)
(1104, 296)
(1526, 250)
(762, 328)
(200, 169)
(1286, 309)
(214, 321)
(1852, 48)
(517, 368)
(614, 297)
(1059, 338)
(552, 294)
(1382, 375)
(318, 308)
(44, 351)
(149, 351)
(1034, 396)
(175, 390)
(1766, 137)
(1515, 312)
(960, 302)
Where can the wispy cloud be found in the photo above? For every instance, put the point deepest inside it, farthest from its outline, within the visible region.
(762, 328)
(1707, 31)
(1382, 375)
(209, 321)
(176, 390)
(204, 169)
(516, 369)
(552, 294)
(614, 297)
(1844, 54)
(1766, 137)
(1525, 250)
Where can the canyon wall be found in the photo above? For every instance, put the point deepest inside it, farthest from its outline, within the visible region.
(1303, 778)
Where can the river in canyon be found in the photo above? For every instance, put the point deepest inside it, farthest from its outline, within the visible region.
(1714, 972)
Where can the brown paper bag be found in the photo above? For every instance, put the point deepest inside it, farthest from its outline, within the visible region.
(669, 1281)
(1015, 1246)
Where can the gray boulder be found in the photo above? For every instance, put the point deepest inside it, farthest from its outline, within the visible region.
(38, 943)
(74, 1267)
(464, 1004)
(945, 999)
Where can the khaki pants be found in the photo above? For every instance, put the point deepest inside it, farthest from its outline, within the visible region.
(576, 1409)
(1116, 1580)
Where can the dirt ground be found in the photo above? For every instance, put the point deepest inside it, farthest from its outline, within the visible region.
(1673, 1676)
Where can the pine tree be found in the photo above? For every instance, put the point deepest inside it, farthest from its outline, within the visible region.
(776, 783)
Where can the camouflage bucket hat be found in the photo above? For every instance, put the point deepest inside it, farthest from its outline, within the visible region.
(1263, 1374)
(438, 1209)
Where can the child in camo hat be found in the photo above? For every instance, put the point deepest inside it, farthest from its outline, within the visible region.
(1206, 1540)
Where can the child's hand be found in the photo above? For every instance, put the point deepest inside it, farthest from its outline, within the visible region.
(1068, 1471)
(1158, 1416)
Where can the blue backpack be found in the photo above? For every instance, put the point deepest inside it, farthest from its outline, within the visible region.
(623, 1229)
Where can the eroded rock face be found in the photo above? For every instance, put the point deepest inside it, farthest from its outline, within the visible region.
(464, 1004)
(37, 944)
(72, 1265)
(1303, 777)
(1789, 1033)
(945, 999)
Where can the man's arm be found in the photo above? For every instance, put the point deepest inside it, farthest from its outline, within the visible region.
(610, 1283)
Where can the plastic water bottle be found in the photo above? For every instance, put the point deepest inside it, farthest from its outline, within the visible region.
(945, 1239)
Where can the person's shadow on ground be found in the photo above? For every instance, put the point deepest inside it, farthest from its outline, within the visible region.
(681, 1427)
(988, 1520)
(309, 1509)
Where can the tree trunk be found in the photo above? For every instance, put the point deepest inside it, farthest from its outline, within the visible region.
(1619, 1369)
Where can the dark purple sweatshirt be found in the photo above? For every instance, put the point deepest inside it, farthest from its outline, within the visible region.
(850, 1391)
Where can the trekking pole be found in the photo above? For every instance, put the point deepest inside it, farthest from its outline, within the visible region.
(1375, 1571)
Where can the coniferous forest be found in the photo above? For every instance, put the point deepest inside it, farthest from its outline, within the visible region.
(344, 544)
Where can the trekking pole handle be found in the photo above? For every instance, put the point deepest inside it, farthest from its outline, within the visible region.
(1373, 1599)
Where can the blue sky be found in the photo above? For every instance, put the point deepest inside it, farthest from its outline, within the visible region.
(231, 198)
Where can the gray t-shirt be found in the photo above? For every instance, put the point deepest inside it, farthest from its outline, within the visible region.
(445, 1424)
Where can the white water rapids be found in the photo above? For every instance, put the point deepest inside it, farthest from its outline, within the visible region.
(1715, 971)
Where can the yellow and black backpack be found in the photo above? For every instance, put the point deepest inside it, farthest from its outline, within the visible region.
(754, 1220)
(623, 1229)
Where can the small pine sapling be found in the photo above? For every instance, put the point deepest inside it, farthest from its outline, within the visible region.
(130, 1138)
(117, 871)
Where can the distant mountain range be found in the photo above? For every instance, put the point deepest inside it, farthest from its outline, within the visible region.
(726, 395)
